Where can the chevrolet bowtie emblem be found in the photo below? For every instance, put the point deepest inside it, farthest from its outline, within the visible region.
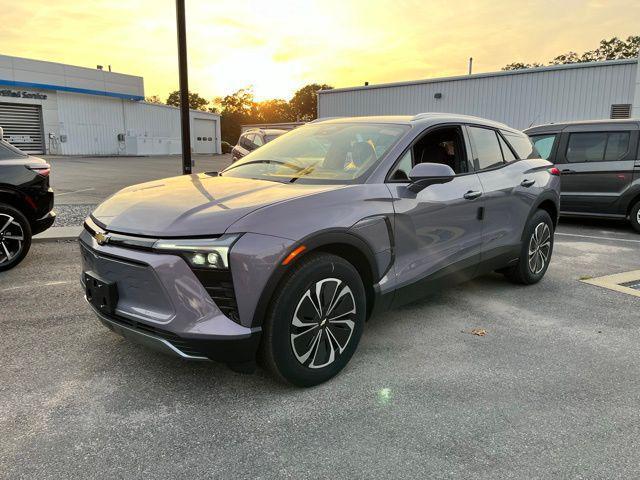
(101, 238)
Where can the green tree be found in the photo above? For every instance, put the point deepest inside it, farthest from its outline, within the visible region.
(274, 111)
(196, 102)
(304, 103)
(236, 109)
(521, 66)
(153, 99)
(612, 49)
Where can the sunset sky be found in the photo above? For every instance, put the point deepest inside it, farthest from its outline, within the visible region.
(278, 46)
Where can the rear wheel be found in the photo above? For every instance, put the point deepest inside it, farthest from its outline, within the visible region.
(15, 237)
(635, 216)
(315, 322)
(537, 247)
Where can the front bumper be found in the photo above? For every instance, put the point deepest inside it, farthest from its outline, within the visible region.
(163, 305)
(226, 349)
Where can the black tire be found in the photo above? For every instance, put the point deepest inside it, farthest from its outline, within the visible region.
(634, 217)
(529, 269)
(277, 351)
(13, 224)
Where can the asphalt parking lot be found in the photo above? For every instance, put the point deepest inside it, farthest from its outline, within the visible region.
(551, 390)
(89, 180)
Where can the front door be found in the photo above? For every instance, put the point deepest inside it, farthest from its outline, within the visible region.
(438, 233)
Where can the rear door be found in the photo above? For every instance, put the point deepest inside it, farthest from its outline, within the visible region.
(508, 193)
(597, 166)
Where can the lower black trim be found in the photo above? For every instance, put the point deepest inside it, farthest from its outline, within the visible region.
(453, 274)
(613, 216)
(459, 272)
(237, 349)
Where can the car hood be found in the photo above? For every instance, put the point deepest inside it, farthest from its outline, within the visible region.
(192, 205)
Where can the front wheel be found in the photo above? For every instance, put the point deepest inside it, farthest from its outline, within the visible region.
(634, 218)
(537, 247)
(15, 237)
(315, 321)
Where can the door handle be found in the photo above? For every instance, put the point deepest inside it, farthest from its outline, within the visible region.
(472, 194)
(527, 183)
(567, 170)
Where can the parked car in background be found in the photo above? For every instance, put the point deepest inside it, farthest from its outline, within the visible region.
(286, 253)
(600, 166)
(26, 203)
(253, 139)
(226, 147)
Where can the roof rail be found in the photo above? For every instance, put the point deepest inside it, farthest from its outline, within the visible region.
(323, 119)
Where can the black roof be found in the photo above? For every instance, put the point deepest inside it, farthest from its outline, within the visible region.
(586, 126)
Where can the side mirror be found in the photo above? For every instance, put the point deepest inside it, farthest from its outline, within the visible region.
(425, 174)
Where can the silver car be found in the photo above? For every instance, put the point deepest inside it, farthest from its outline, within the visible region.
(284, 255)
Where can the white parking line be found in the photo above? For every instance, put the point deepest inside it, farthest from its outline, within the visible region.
(599, 238)
(75, 191)
(38, 285)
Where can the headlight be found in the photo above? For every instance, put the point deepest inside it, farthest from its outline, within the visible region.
(201, 252)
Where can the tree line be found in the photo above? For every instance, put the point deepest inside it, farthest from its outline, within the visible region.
(612, 49)
(240, 108)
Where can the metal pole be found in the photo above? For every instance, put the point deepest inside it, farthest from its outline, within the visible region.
(470, 65)
(184, 87)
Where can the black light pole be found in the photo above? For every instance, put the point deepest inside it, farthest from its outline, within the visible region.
(184, 88)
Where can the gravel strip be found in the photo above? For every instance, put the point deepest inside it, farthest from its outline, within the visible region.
(71, 215)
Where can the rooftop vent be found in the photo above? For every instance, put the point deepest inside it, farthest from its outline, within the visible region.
(621, 110)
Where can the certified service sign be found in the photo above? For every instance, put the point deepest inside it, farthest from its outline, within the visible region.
(22, 94)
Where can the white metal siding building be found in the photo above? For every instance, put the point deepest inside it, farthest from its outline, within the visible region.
(520, 98)
(61, 109)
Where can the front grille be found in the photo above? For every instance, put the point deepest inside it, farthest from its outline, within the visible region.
(219, 286)
(180, 343)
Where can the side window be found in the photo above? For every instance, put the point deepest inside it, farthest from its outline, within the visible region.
(401, 173)
(522, 145)
(586, 147)
(257, 141)
(544, 144)
(617, 146)
(507, 154)
(487, 151)
(244, 141)
(444, 145)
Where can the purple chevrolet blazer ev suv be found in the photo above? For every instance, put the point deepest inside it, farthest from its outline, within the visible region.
(283, 256)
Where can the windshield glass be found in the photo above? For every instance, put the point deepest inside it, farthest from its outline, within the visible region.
(320, 153)
(8, 151)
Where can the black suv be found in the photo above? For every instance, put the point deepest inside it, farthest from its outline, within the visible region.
(600, 166)
(252, 139)
(26, 203)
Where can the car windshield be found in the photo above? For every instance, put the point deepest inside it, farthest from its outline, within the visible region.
(8, 151)
(320, 153)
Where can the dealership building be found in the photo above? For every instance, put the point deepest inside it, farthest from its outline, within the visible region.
(52, 108)
(520, 98)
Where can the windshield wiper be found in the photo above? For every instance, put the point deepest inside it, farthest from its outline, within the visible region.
(276, 162)
(303, 172)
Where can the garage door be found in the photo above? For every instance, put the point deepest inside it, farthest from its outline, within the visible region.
(22, 125)
(204, 133)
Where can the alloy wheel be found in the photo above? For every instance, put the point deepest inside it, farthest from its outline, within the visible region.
(323, 323)
(539, 248)
(11, 238)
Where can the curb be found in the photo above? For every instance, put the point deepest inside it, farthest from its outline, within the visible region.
(55, 234)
